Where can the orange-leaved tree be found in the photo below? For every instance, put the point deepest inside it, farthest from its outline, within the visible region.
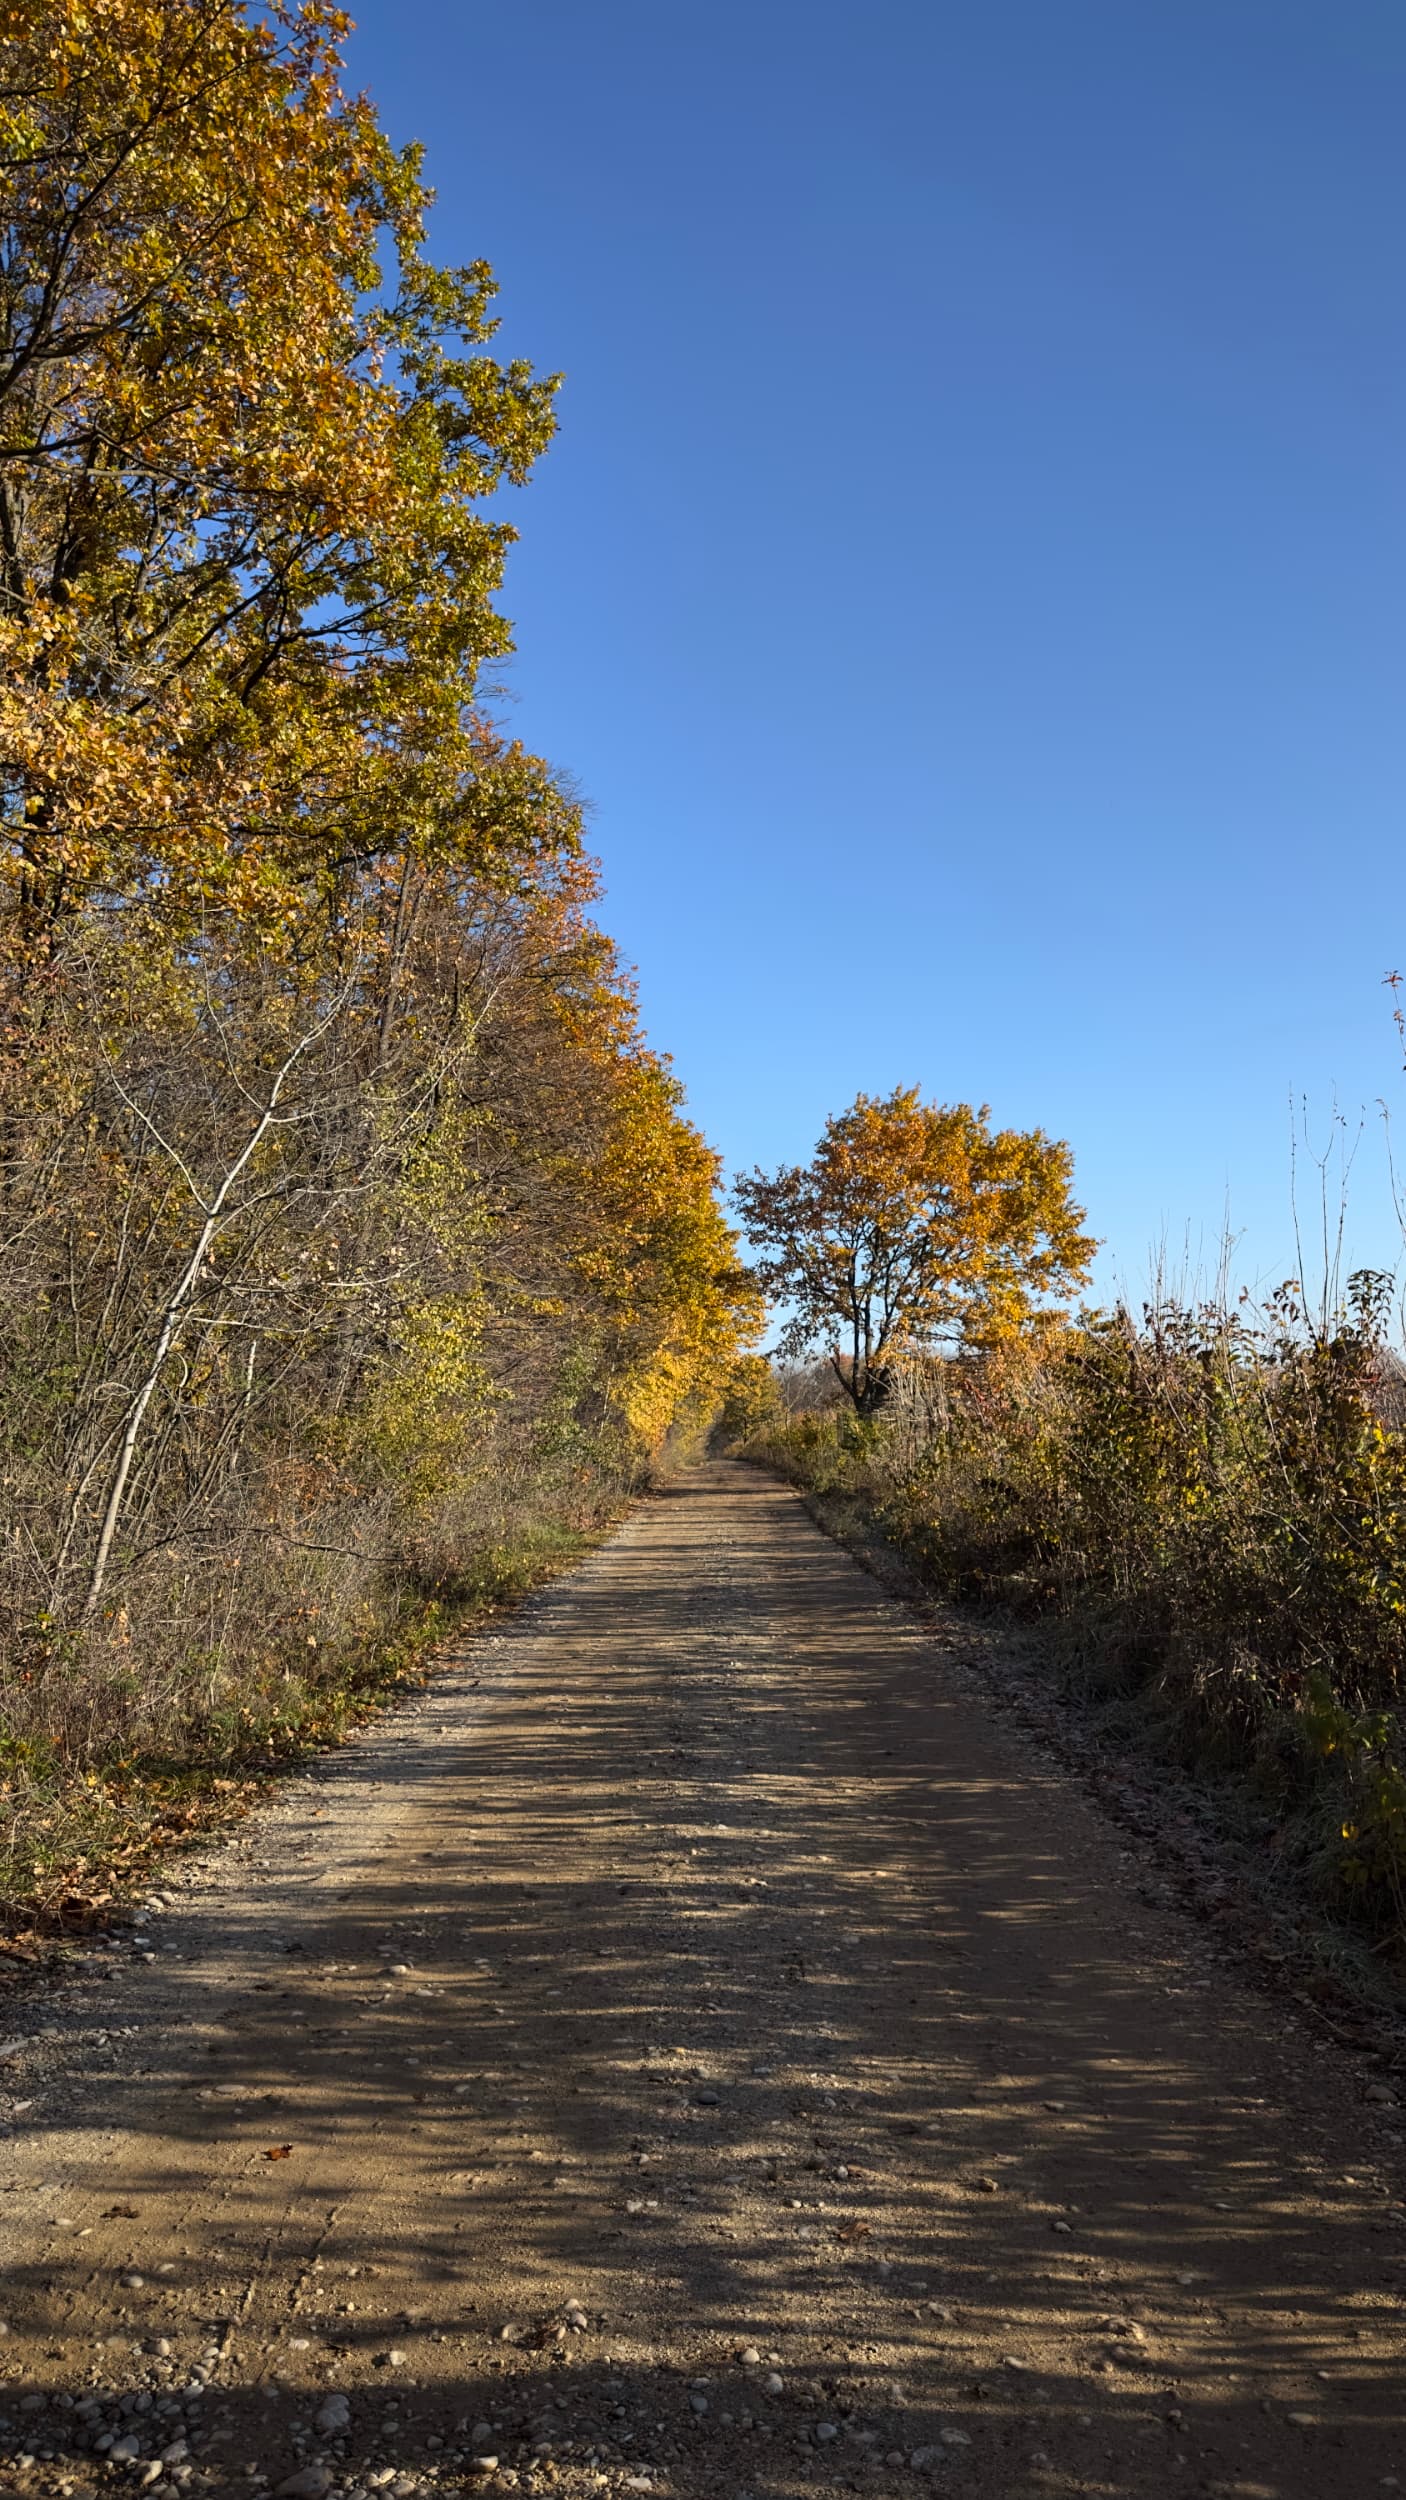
(915, 1226)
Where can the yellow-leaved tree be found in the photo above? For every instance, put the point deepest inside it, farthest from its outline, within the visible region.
(357, 1246)
(247, 435)
(915, 1226)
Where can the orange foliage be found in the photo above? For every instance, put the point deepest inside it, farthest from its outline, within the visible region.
(915, 1224)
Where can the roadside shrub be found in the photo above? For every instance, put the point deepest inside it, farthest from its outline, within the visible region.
(1214, 1512)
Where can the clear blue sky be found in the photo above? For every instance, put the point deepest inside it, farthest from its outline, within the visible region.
(968, 586)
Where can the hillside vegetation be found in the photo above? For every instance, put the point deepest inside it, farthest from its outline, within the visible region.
(358, 1255)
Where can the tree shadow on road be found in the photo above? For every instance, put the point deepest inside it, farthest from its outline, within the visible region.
(735, 1980)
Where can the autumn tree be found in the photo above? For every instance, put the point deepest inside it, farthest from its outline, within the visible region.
(604, 1197)
(752, 1400)
(248, 434)
(915, 1226)
(353, 1235)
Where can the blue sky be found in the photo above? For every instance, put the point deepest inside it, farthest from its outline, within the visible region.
(968, 586)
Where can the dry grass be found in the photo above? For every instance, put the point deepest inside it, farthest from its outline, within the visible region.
(1213, 1521)
(169, 1722)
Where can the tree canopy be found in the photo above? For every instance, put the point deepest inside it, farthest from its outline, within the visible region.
(347, 1211)
(915, 1226)
(248, 438)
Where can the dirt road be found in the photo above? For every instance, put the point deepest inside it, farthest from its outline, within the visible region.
(695, 2050)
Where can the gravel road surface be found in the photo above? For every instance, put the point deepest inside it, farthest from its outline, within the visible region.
(696, 2048)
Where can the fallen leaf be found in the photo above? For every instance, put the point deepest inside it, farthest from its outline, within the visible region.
(277, 2152)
